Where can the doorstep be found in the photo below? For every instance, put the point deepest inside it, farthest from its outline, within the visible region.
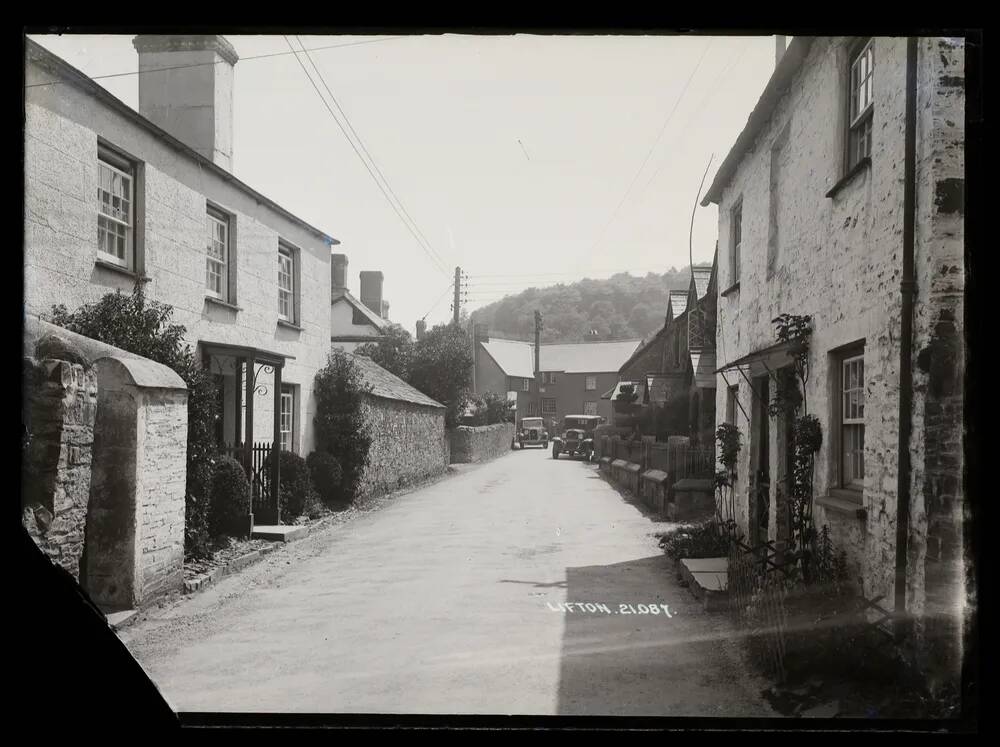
(118, 620)
(708, 580)
(280, 533)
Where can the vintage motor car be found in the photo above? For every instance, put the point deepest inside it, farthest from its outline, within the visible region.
(577, 438)
(532, 433)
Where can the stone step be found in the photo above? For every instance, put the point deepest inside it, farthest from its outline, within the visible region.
(707, 578)
(118, 620)
(280, 533)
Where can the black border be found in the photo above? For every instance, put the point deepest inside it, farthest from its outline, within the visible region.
(72, 671)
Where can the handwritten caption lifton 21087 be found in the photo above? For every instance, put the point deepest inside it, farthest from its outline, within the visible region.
(620, 609)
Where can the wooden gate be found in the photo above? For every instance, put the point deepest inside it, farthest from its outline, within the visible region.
(256, 460)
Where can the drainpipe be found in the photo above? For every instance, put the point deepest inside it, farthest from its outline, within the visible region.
(907, 289)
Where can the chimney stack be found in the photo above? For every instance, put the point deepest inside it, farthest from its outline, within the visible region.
(779, 49)
(385, 310)
(371, 290)
(421, 329)
(338, 275)
(193, 101)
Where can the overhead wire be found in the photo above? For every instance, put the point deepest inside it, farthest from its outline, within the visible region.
(712, 93)
(659, 135)
(382, 189)
(427, 244)
(440, 298)
(217, 62)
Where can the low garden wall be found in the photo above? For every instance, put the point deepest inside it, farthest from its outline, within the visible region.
(480, 443)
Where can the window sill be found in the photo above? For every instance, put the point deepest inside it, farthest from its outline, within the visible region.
(225, 304)
(862, 165)
(844, 501)
(731, 289)
(289, 325)
(121, 270)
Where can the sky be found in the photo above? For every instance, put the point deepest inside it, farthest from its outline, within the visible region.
(527, 160)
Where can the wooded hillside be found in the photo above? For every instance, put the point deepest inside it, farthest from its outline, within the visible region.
(620, 307)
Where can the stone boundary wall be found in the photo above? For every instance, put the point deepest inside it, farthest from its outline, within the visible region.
(409, 445)
(104, 488)
(480, 443)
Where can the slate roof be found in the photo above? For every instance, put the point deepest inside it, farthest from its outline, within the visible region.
(640, 389)
(777, 87)
(515, 357)
(678, 301)
(37, 53)
(374, 319)
(587, 357)
(702, 276)
(389, 386)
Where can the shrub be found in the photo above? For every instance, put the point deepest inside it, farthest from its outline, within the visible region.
(294, 486)
(142, 326)
(441, 367)
(697, 541)
(341, 430)
(198, 509)
(325, 472)
(491, 408)
(230, 499)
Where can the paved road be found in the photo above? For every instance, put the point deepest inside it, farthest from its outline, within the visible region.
(447, 601)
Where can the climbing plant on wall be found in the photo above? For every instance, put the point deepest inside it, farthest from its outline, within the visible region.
(729, 439)
(807, 437)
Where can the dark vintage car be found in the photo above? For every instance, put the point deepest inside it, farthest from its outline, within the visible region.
(532, 433)
(577, 438)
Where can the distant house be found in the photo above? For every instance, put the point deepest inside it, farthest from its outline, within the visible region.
(675, 369)
(355, 322)
(570, 380)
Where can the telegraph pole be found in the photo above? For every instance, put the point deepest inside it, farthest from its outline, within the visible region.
(538, 379)
(458, 293)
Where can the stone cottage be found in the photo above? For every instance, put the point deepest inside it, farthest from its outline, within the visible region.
(250, 281)
(675, 369)
(842, 199)
(409, 443)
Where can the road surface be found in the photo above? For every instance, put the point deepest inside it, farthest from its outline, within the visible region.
(451, 600)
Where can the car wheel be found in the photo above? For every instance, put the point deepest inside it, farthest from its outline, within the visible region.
(555, 451)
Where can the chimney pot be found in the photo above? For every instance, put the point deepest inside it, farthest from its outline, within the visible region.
(193, 101)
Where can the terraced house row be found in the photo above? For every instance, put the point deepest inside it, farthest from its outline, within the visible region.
(842, 201)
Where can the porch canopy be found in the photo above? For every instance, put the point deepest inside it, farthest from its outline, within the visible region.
(762, 362)
(247, 363)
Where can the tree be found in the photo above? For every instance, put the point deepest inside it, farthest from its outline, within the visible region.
(493, 407)
(641, 320)
(340, 425)
(142, 326)
(441, 368)
(392, 352)
(609, 306)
